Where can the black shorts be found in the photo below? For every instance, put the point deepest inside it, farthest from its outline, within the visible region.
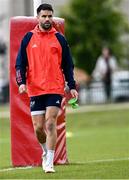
(38, 104)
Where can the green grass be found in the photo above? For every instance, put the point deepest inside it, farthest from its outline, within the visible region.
(4, 107)
(94, 136)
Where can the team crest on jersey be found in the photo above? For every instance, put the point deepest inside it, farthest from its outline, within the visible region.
(34, 46)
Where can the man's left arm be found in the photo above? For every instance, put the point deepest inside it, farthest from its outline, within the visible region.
(68, 68)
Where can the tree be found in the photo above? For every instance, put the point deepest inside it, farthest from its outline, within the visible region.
(91, 24)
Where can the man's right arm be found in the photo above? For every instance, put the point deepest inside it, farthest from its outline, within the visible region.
(22, 62)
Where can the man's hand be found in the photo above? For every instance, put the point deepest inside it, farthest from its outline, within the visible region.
(22, 89)
(74, 93)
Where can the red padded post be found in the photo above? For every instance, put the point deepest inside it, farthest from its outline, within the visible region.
(25, 149)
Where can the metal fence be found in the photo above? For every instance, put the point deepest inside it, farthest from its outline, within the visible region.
(94, 92)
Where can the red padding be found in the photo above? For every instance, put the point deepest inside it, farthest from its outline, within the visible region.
(25, 149)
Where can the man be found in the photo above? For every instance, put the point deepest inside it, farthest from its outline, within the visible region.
(105, 66)
(43, 61)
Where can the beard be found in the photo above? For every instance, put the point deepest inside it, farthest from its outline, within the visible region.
(46, 25)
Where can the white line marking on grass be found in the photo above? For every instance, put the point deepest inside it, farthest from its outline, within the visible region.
(79, 163)
(104, 160)
(15, 168)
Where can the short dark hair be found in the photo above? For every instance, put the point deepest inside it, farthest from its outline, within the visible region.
(44, 7)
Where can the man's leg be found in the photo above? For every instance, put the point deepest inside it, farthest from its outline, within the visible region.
(51, 119)
(39, 129)
(38, 124)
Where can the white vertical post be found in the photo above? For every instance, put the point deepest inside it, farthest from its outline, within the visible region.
(36, 3)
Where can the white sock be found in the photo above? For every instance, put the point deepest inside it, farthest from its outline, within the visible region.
(50, 158)
(44, 148)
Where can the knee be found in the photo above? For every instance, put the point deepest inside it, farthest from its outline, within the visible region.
(51, 124)
(38, 129)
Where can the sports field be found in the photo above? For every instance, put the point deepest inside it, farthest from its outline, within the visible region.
(97, 143)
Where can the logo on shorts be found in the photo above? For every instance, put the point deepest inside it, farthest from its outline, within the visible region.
(32, 103)
(58, 102)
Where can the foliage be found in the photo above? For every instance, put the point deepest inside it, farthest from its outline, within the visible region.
(91, 25)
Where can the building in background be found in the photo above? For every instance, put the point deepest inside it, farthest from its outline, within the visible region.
(125, 8)
(25, 7)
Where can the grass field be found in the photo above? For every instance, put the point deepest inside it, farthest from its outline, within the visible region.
(97, 143)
